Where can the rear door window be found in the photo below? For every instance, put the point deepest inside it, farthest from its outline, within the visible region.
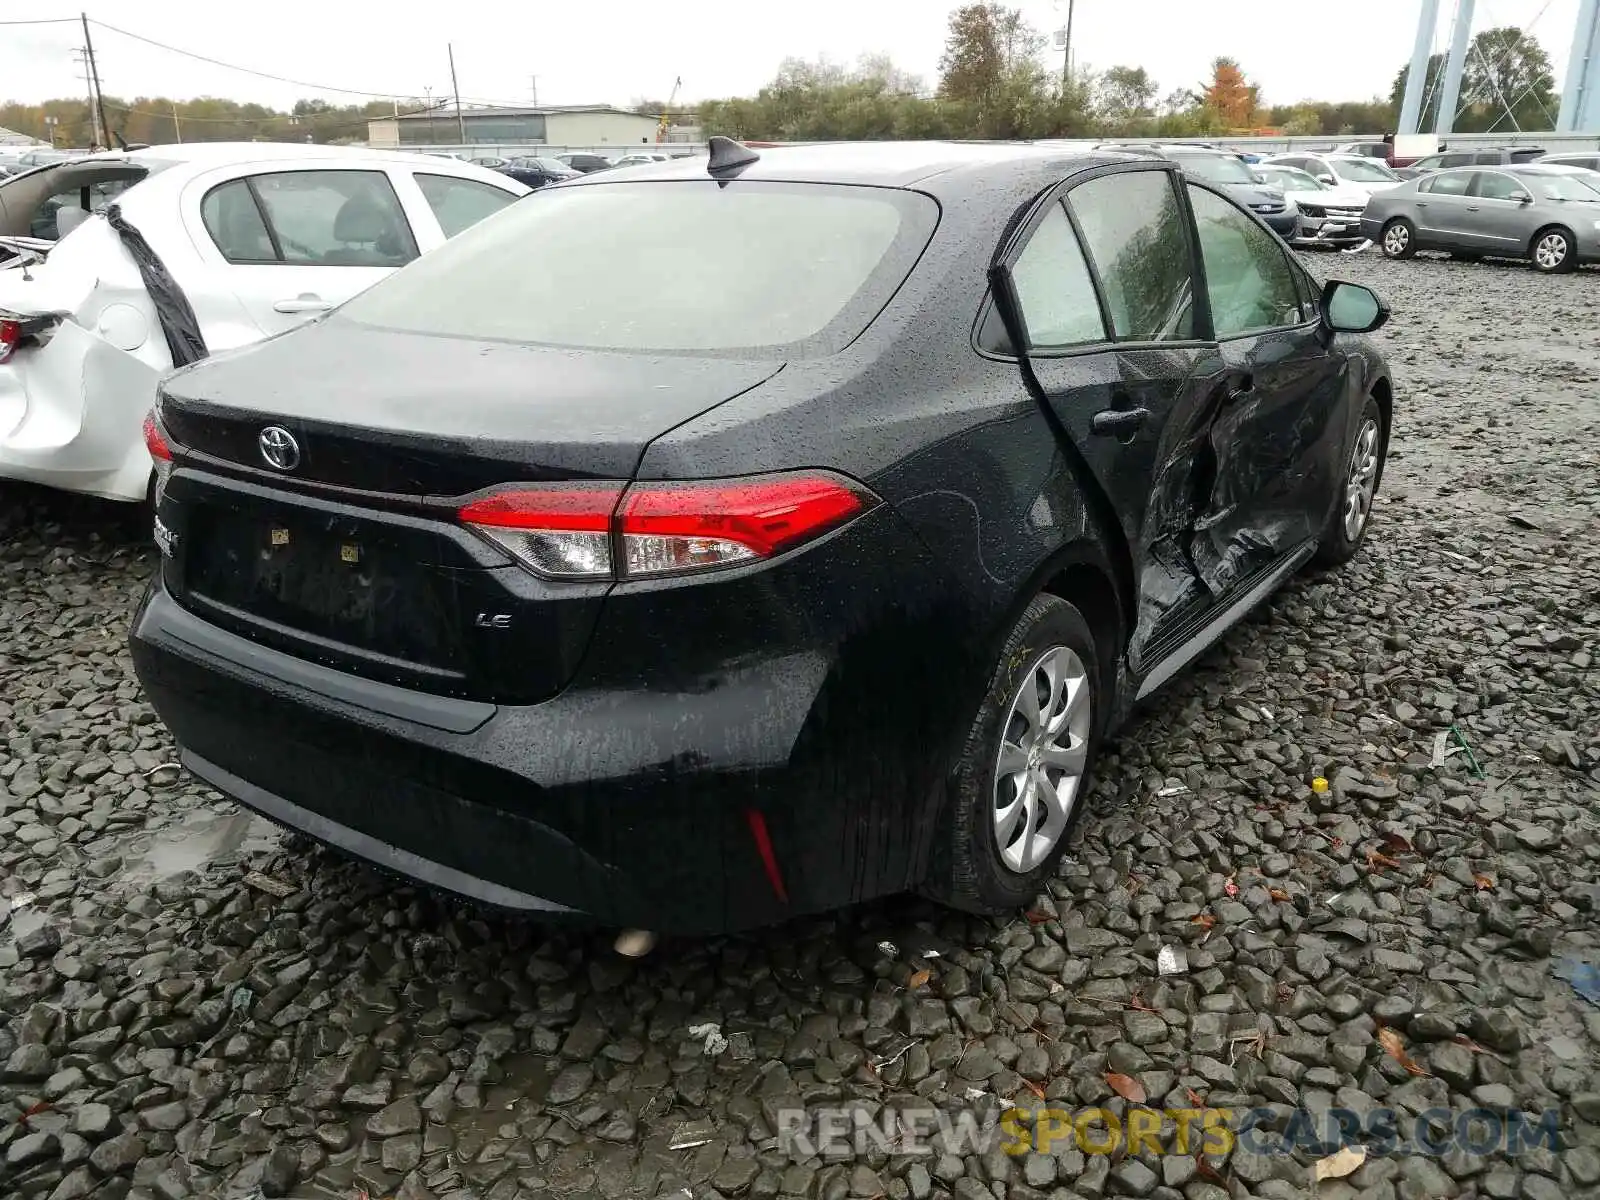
(1138, 242)
(1448, 183)
(461, 203)
(310, 218)
(1455, 160)
(1054, 287)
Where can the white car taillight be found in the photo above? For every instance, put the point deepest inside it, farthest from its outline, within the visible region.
(160, 454)
(15, 330)
(607, 531)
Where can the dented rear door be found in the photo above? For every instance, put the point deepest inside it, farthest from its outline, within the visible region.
(1132, 393)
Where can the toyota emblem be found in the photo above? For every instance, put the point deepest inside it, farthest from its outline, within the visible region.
(279, 448)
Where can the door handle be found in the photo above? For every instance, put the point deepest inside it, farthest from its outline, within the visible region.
(1241, 389)
(1118, 422)
(1472, 208)
(304, 303)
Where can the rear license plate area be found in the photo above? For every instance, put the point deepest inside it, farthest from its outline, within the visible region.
(340, 581)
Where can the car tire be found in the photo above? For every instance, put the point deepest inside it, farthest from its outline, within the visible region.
(977, 864)
(1554, 251)
(1363, 472)
(1398, 239)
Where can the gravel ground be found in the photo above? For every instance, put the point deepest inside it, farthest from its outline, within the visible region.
(172, 1025)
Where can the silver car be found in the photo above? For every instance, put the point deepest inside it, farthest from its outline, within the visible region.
(1549, 214)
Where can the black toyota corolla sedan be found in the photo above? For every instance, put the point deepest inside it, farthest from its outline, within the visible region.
(805, 553)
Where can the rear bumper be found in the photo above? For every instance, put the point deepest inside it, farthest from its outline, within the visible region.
(647, 805)
(71, 416)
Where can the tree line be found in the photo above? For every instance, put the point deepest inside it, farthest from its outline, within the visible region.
(157, 120)
(994, 82)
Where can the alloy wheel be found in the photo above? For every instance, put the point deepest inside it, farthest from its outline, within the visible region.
(1044, 750)
(1362, 480)
(1395, 239)
(1551, 251)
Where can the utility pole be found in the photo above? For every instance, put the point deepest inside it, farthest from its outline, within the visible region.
(533, 86)
(82, 58)
(177, 125)
(461, 122)
(94, 83)
(432, 137)
(1066, 49)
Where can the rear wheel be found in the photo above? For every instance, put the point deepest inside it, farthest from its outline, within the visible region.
(1399, 239)
(1553, 252)
(1347, 527)
(1020, 786)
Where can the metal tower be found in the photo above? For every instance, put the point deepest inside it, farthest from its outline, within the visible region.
(1580, 94)
(1450, 94)
(1417, 75)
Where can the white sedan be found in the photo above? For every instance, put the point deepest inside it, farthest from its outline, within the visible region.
(1353, 171)
(215, 245)
(1330, 214)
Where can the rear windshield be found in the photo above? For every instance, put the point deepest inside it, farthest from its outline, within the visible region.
(1365, 170)
(1217, 168)
(690, 267)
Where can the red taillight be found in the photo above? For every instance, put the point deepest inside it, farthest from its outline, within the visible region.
(571, 531)
(10, 335)
(560, 532)
(15, 330)
(154, 441)
(160, 457)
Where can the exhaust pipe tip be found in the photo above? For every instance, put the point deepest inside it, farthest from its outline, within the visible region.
(634, 943)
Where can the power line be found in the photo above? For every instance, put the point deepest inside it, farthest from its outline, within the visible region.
(45, 21)
(245, 119)
(318, 87)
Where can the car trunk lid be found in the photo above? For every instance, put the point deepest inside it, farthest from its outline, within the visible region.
(442, 416)
(355, 557)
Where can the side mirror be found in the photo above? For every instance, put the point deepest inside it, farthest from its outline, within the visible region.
(1521, 198)
(1325, 178)
(1351, 308)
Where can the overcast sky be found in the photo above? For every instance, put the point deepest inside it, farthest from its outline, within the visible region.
(615, 51)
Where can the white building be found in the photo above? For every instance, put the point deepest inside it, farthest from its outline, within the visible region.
(589, 125)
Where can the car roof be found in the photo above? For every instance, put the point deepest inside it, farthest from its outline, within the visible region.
(1541, 168)
(889, 164)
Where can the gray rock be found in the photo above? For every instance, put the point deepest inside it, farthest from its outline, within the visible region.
(77, 1184)
(1453, 1063)
(39, 942)
(570, 1083)
(401, 1116)
(32, 1148)
(368, 1096)
(165, 1117)
(92, 1121)
(1131, 1177)
(116, 1155)
(27, 1063)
